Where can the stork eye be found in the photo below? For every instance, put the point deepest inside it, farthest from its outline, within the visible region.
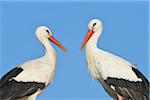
(47, 31)
(94, 24)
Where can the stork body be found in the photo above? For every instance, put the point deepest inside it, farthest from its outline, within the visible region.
(28, 80)
(120, 78)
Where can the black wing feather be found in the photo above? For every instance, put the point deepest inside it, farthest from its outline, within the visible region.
(129, 89)
(13, 73)
(11, 89)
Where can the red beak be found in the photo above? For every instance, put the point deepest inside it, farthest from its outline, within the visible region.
(87, 37)
(51, 38)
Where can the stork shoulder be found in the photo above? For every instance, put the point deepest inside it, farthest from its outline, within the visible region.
(110, 65)
(35, 71)
(108, 56)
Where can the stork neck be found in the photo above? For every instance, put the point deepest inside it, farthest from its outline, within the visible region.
(50, 53)
(49, 50)
(92, 43)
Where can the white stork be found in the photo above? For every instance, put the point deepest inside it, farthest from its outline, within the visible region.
(28, 80)
(120, 78)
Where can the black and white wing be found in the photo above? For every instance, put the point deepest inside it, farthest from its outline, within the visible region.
(11, 89)
(130, 90)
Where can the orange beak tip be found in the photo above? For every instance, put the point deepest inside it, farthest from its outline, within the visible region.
(57, 43)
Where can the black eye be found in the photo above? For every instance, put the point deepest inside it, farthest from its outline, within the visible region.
(94, 24)
(47, 31)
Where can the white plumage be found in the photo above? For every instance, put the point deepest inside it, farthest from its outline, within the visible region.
(112, 71)
(29, 79)
(117, 67)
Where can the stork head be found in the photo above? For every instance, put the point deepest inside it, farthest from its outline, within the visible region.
(43, 32)
(95, 25)
(93, 28)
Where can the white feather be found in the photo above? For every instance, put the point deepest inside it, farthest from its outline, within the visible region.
(36, 71)
(104, 63)
(40, 70)
(109, 65)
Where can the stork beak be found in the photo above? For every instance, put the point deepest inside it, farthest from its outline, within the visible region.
(87, 37)
(51, 38)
